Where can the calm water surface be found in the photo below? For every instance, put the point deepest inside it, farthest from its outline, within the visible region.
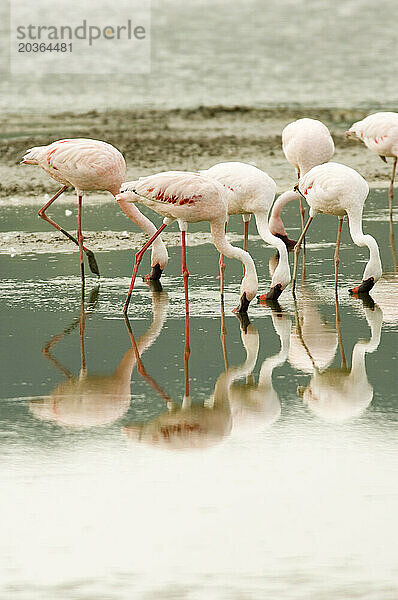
(277, 480)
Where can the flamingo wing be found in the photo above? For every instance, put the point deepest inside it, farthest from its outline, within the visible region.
(175, 187)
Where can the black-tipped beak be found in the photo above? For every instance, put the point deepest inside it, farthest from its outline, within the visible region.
(364, 287)
(272, 295)
(290, 244)
(155, 274)
(243, 304)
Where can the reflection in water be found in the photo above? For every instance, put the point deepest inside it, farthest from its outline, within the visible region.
(94, 400)
(239, 406)
(255, 406)
(314, 340)
(340, 394)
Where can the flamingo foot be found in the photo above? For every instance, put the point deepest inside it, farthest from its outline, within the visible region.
(364, 287)
(154, 275)
(243, 305)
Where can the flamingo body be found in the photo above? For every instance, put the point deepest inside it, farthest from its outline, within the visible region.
(191, 198)
(379, 132)
(81, 163)
(336, 189)
(306, 143)
(251, 191)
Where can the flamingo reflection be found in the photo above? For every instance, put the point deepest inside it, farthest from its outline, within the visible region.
(231, 407)
(340, 394)
(92, 400)
(255, 406)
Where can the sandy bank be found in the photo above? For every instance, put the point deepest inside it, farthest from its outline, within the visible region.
(155, 140)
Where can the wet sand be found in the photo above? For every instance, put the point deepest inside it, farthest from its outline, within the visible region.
(189, 139)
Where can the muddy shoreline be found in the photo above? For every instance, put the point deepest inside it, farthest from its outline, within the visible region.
(154, 140)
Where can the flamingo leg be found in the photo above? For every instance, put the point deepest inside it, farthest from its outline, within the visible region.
(80, 241)
(223, 335)
(245, 241)
(391, 188)
(137, 260)
(187, 354)
(42, 214)
(82, 328)
(336, 255)
(222, 270)
(297, 252)
(339, 336)
(185, 272)
(246, 235)
(140, 366)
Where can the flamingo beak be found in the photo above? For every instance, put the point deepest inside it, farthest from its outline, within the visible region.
(272, 295)
(290, 244)
(364, 287)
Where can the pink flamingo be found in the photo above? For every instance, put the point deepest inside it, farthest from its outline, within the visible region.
(379, 132)
(336, 189)
(251, 191)
(87, 165)
(189, 198)
(306, 143)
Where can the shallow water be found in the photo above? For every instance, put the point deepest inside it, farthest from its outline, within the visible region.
(331, 53)
(111, 490)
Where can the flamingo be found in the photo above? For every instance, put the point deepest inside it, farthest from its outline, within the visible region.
(379, 132)
(189, 198)
(86, 165)
(251, 191)
(336, 189)
(93, 400)
(306, 143)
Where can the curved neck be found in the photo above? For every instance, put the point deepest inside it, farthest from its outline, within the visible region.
(373, 267)
(276, 224)
(283, 328)
(251, 342)
(249, 281)
(375, 321)
(160, 304)
(135, 215)
(282, 271)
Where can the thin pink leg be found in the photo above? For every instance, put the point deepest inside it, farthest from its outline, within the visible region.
(137, 260)
(222, 269)
(336, 256)
(140, 367)
(246, 236)
(245, 241)
(185, 272)
(187, 350)
(42, 214)
(80, 240)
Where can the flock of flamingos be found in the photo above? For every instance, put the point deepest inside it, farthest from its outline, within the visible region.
(333, 394)
(226, 189)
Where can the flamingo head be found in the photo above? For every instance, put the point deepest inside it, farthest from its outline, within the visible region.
(351, 133)
(363, 288)
(271, 296)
